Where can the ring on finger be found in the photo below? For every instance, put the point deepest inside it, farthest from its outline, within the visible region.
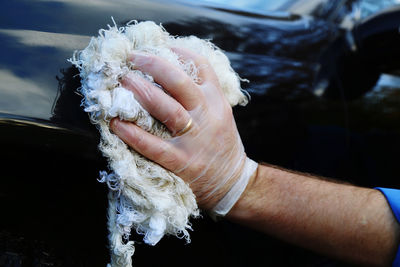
(185, 129)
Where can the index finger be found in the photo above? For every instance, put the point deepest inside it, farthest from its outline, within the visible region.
(171, 78)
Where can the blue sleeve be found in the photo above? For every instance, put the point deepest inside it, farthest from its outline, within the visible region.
(393, 198)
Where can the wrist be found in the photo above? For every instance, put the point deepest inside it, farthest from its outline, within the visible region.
(243, 208)
(247, 174)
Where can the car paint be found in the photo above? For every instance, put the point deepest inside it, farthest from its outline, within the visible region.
(53, 207)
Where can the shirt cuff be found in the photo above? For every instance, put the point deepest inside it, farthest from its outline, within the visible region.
(393, 198)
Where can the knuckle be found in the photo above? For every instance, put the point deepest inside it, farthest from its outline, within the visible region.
(179, 115)
(174, 118)
(161, 153)
(182, 81)
(137, 142)
(147, 93)
(165, 157)
(172, 162)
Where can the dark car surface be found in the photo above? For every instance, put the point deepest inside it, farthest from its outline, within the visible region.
(325, 99)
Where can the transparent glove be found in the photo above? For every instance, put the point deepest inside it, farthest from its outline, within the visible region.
(206, 150)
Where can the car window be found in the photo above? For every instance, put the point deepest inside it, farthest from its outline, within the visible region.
(368, 7)
(248, 5)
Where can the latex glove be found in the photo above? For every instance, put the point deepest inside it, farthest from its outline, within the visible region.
(209, 156)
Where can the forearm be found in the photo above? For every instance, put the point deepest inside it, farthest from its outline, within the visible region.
(346, 222)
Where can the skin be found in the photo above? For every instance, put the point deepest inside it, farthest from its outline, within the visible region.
(349, 223)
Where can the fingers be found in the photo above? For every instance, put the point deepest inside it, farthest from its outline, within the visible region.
(209, 82)
(171, 78)
(206, 72)
(150, 146)
(160, 105)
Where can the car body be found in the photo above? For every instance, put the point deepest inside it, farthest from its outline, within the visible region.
(318, 105)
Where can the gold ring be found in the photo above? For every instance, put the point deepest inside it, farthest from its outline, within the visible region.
(185, 129)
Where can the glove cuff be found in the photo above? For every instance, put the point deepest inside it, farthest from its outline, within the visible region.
(233, 195)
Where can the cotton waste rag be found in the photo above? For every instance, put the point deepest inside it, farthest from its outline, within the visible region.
(142, 194)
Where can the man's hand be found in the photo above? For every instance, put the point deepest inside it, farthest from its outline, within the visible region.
(206, 150)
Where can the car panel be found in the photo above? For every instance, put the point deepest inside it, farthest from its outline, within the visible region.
(55, 208)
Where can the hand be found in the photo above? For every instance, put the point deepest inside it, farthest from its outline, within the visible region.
(205, 149)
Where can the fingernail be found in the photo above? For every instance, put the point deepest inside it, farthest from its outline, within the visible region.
(114, 124)
(118, 126)
(121, 129)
